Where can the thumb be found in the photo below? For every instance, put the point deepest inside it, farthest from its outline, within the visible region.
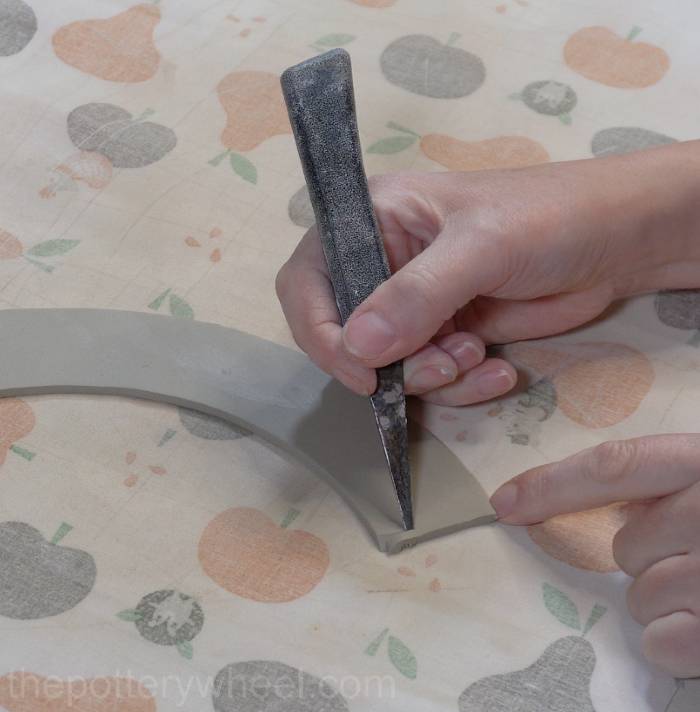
(615, 471)
(407, 310)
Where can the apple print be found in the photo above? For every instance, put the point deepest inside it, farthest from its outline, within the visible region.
(423, 65)
(679, 308)
(112, 131)
(39, 578)
(524, 418)
(299, 208)
(17, 26)
(625, 139)
(167, 617)
(209, 428)
(257, 685)
(549, 98)
(601, 55)
(558, 681)
(248, 554)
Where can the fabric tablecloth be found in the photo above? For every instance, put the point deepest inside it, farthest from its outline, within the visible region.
(153, 559)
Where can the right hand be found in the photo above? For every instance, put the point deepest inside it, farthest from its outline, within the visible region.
(494, 257)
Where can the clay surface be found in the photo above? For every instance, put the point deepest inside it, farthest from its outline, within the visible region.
(251, 383)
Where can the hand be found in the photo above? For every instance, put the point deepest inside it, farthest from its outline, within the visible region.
(660, 544)
(498, 256)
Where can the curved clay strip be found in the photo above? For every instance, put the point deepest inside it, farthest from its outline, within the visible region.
(251, 382)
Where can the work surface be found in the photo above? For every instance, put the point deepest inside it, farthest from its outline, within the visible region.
(146, 163)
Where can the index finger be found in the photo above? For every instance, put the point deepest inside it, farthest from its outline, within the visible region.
(615, 471)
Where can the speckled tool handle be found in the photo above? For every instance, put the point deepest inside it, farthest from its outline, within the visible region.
(321, 103)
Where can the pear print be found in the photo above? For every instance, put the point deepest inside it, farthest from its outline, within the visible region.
(625, 139)
(271, 686)
(119, 48)
(558, 681)
(423, 65)
(167, 617)
(549, 98)
(24, 691)
(39, 578)
(255, 111)
(17, 26)
(89, 167)
(458, 155)
(127, 142)
(599, 54)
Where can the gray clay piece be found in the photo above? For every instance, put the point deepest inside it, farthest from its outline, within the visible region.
(17, 26)
(112, 131)
(38, 578)
(271, 686)
(423, 65)
(247, 381)
(625, 139)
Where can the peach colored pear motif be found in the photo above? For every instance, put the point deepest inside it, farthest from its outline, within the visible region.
(582, 539)
(29, 692)
(501, 152)
(599, 54)
(10, 246)
(248, 554)
(254, 107)
(118, 48)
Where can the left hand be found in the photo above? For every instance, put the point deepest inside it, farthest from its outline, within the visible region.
(659, 547)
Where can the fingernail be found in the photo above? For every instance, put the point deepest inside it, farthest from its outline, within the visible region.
(494, 383)
(504, 498)
(429, 378)
(466, 353)
(368, 336)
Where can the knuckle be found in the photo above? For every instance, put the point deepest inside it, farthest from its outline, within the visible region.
(612, 461)
(422, 284)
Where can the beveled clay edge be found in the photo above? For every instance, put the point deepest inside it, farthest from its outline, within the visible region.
(272, 390)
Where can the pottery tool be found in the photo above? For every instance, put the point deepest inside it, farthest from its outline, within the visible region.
(321, 104)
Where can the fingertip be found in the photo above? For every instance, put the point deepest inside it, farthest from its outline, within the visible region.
(504, 501)
(466, 349)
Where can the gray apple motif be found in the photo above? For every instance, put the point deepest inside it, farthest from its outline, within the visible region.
(423, 65)
(299, 208)
(112, 131)
(17, 26)
(270, 686)
(625, 139)
(558, 681)
(550, 98)
(208, 427)
(38, 578)
(679, 308)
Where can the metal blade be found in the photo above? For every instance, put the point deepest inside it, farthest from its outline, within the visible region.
(321, 104)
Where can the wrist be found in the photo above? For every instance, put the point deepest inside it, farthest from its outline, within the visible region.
(654, 199)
